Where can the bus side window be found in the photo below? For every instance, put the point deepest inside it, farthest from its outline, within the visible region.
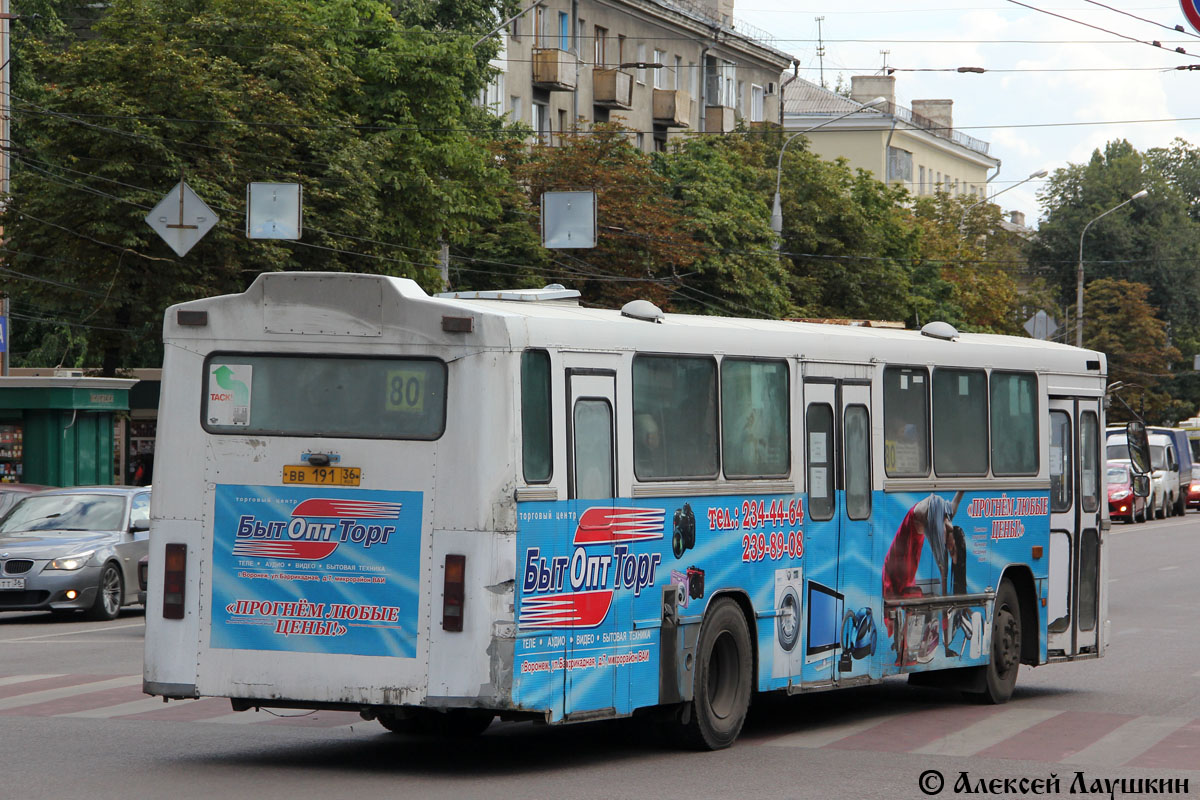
(678, 394)
(819, 424)
(536, 436)
(1060, 461)
(960, 426)
(906, 422)
(1089, 466)
(1014, 424)
(754, 418)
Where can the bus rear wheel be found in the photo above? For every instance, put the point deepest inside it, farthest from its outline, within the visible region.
(1000, 673)
(723, 682)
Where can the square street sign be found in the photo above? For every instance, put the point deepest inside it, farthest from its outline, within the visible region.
(273, 211)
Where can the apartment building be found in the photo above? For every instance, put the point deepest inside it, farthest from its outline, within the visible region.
(916, 147)
(658, 67)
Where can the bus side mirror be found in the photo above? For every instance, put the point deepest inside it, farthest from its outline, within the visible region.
(1139, 447)
(1141, 485)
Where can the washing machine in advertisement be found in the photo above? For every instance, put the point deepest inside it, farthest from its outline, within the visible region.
(789, 583)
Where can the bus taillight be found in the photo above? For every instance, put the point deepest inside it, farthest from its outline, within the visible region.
(452, 593)
(174, 580)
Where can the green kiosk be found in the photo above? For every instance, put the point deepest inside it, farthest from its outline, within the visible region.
(58, 431)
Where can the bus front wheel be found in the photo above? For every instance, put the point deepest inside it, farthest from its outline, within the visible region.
(723, 682)
(1000, 674)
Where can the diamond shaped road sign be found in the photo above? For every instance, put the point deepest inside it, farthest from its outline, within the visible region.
(181, 219)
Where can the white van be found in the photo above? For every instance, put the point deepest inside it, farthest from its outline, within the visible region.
(1164, 480)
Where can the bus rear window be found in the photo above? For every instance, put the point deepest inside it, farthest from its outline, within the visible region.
(306, 395)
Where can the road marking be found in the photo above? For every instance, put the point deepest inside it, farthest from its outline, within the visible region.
(76, 633)
(31, 698)
(987, 732)
(1168, 569)
(827, 734)
(121, 709)
(247, 717)
(11, 679)
(1128, 741)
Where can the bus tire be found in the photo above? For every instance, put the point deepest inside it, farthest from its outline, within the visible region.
(454, 723)
(1000, 673)
(723, 682)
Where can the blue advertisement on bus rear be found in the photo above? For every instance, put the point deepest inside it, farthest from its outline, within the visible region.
(316, 570)
(905, 587)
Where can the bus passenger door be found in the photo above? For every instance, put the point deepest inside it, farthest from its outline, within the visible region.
(1074, 605)
(589, 688)
(837, 543)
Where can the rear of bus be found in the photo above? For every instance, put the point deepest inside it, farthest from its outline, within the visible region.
(324, 508)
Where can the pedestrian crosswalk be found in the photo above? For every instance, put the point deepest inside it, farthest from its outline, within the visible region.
(1020, 730)
(121, 697)
(1015, 731)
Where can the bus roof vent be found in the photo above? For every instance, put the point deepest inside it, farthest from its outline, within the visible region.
(940, 330)
(643, 310)
(550, 292)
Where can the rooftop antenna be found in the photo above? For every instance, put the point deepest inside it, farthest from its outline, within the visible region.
(821, 50)
(885, 54)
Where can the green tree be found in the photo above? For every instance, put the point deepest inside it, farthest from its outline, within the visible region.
(1121, 323)
(370, 113)
(849, 238)
(1151, 241)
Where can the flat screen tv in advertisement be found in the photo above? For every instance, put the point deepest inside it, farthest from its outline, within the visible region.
(317, 570)
(824, 623)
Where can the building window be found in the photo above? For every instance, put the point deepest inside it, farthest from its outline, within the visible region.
(756, 103)
(564, 31)
(694, 80)
(641, 141)
(660, 77)
(562, 125)
(541, 122)
(492, 96)
(737, 100)
(601, 43)
(540, 34)
(641, 57)
(514, 105)
(677, 84)
(620, 50)
(899, 165)
(921, 180)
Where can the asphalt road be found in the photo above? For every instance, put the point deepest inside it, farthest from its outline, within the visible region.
(74, 724)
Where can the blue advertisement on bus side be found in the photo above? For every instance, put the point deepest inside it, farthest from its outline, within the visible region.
(832, 599)
(316, 570)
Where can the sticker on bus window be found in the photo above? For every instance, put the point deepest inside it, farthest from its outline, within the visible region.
(816, 446)
(406, 391)
(229, 394)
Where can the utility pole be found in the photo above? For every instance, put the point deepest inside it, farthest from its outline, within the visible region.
(820, 50)
(5, 146)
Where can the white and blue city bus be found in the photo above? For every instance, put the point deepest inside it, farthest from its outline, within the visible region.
(440, 510)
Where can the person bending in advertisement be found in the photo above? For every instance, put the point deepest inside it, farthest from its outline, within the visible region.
(929, 520)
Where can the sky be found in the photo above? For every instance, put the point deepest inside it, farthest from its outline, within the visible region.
(1031, 118)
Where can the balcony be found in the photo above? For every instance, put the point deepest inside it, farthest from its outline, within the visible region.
(612, 88)
(718, 119)
(672, 107)
(554, 70)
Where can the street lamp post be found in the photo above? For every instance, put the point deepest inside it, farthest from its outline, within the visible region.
(1079, 271)
(777, 208)
(1041, 173)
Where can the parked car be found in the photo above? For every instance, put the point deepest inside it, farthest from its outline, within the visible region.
(10, 493)
(1183, 454)
(1164, 478)
(74, 550)
(1122, 502)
